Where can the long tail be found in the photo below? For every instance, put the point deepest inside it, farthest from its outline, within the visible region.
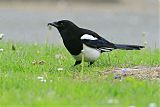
(128, 47)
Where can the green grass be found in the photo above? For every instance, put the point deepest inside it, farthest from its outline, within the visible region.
(20, 87)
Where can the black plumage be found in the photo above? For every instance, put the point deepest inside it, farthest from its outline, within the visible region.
(77, 39)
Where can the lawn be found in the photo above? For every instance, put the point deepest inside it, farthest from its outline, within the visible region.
(38, 75)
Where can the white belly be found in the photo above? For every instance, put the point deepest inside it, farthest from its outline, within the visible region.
(90, 54)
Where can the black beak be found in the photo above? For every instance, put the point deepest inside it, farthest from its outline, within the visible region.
(53, 24)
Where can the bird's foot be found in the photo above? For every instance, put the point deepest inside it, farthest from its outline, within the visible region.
(91, 63)
(77, 63)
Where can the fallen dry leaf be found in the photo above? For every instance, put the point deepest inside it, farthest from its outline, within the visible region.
(38, 62)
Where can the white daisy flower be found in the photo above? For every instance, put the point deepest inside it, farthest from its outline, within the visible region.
(43, 80)
(1, 50)
(40, 78)
(152, 105)
(131, 106)
(59, 69)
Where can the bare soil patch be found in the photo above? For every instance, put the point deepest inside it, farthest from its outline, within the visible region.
(140, 72)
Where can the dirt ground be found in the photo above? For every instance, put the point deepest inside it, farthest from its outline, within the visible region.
(140, 72)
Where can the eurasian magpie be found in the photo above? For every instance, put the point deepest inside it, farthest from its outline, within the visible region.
(80, 41)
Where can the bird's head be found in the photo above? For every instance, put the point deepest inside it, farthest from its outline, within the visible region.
(63, 25)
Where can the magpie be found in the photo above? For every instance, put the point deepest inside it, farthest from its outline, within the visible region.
(80, 41)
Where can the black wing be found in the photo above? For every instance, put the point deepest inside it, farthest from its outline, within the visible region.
(99, 43)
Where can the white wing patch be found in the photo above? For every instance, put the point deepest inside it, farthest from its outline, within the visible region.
(106, 49)
(89, 37)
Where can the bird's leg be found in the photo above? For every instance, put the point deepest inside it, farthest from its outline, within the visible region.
(90, 63)
(77, 62)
